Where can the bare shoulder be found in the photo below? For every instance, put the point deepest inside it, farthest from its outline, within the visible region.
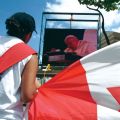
(34, 58)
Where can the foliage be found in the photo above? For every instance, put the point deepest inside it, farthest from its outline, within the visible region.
(102, 4)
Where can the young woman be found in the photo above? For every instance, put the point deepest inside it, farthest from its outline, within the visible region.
(18, 83)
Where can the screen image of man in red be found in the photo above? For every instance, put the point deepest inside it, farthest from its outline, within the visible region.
(79, 47)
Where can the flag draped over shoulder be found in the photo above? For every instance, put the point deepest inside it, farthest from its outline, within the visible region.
(15, 54)
(89, 89)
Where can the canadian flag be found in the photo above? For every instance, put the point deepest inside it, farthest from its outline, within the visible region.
(89, 89)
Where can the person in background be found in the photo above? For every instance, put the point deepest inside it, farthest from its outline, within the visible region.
(18, 83)
(79, 47)
(55, 50)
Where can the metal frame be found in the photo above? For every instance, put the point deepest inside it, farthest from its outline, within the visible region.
(46, 17)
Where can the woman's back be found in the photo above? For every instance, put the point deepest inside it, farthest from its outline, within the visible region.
(10, 105)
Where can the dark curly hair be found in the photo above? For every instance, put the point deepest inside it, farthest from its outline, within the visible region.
(20, 24)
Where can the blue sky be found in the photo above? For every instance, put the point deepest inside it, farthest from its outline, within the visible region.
(33, 7)
(112, 18)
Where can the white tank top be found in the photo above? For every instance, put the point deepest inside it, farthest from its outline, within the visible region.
(10, 105)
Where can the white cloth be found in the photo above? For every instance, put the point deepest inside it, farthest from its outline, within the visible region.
(10, 105)
(103, 77)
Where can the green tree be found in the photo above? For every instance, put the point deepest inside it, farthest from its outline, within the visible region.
(102, 4)
(108, 5)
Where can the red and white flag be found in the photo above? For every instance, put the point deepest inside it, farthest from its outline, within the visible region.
(89, 89)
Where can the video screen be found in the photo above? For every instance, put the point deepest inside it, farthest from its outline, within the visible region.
(64, 46)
